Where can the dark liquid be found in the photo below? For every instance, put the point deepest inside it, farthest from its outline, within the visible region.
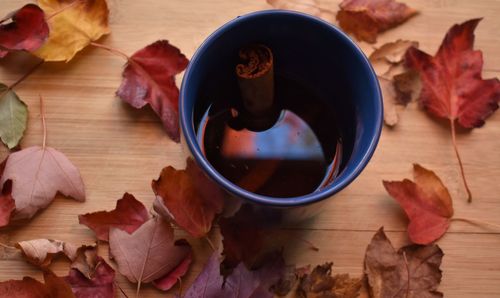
(299, 154)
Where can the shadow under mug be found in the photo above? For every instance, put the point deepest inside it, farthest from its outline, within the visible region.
(318, 54)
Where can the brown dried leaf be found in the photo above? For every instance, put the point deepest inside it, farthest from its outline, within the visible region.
(411, 272)
(398, 84)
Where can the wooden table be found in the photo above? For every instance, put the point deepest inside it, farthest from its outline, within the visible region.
(119, 149)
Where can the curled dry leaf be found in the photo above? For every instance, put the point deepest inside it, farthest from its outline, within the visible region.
(188, 198)
(100, 283)
(86, 260)
(300, 283)
(365, 19)
(128, 216)
(54, 287)
(242, 283)
(38, 174)
(397, 83)
(411, 272)
(73, 26)
(427, 203)
(149, 78)
(13, 117)
(40, 252)
(452, 85)
(149, 254)
(27, 30)
(312, 7)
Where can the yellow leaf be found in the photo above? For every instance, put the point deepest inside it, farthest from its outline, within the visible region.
(73, 25)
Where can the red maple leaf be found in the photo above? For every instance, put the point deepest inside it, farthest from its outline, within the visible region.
(28, 30)
(427, 203)
(452, 85)
(149, 77)
(128, 215)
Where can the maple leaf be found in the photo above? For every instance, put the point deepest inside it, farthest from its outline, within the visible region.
(312, 7)
(396, 82)
(367, 18)
(40, 252)
(188, 198)
(54, 287)
(100, 283)
(128, 215)
(27, 30)
(452, 86)
(411, 272)
(149, 77)
(242, 283)
(73, 26)
(149, 254)
(38, 174)
(427, 203)
(13, 117)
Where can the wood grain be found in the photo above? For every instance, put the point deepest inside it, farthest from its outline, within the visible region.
(119, 149)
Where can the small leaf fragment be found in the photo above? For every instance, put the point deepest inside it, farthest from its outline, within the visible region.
(396, 82)
(13, 117)
(73, 26)
(128, 216)
(413, 271)
(365, 19)
(28, 30)
(149, 78)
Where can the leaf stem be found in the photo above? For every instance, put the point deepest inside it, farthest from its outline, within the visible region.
(476, 222)
(7, 246)
(111, 50)
(120, 288)
(455, 147)
(408, 272)
(42, 114)
(210, 243)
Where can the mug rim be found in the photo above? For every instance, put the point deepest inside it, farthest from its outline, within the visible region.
(189, 133)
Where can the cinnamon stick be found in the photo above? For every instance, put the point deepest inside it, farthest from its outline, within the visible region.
(256, 79)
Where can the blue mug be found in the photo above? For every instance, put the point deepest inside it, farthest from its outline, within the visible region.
(317, 53)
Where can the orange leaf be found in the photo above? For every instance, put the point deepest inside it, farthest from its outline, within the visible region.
(367, 18)
(188, 198)
(427, 203)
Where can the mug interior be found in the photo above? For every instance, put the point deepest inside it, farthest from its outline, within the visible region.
(312, 52)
